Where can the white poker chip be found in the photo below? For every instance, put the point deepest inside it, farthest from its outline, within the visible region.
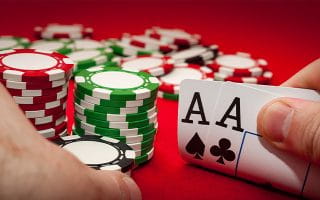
(83, 44)
(13, 42)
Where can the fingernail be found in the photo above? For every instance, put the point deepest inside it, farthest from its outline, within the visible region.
(277, 121)
(133, 188)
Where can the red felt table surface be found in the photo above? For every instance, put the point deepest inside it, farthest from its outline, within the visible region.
(284, 32)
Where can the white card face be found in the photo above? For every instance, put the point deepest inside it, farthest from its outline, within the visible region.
(263, 163)
(192, 129)
(312, 184)
(225, 134)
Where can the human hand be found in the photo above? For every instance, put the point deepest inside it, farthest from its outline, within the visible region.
(33, 168)
(294, 124)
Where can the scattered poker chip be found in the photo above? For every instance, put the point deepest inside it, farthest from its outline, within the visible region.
(32, 85)
(113, 110)
(147, 43)
(124, 49)
(168, 96)
(114, 117)
(264, 79)
(43, 113)
(112, 103)
(24, 65)
(90, 57)
(85, 44)
(173, 36)
(51, 132)
(170, 83)
(43, 106)
(36, 93)
(54, 30)
(196, 55)
(63, 46)
(51, 124)
(154, 65)
(116, 84)
(144, 158)
(119, 125)
(99, 152)
(42, 99)
(115, 132)
(12, 42)
(46, 119)
(239, 64)
(127, 139)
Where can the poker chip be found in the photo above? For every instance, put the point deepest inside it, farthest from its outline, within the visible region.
(55, 131)
(36, 93)
(43, 113)
(144, 158)
(114, 117)
(32, 85)
(111, 103)
(12, 42)
(114, 132)
(41, 99)
(117, 124)
(264, 79)
(173, 36)
(85, 44)
(124, 49)
(99, 152)
(46, 119)
(43, 106)
(116, 84)
(54, 30)
(63, 46)
(196, 55)
(90, 57)
(238, 65)
(147, 43)
(154, 65)
(51, 124)
(141, 145)
(23, 65)
(170, 83)
(168, 96)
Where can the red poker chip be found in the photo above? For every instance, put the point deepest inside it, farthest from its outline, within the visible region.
(152, 64)
(35, 93)
(71, 31)
(264, 79)
(54, 131)
(147, 43)
(43, 106)
(32, 85)
(44, 113)
(30, 65)
(238, 65)
(173, 36)
(41, 99)
(170, 83)
(46, 119)
(51, 124)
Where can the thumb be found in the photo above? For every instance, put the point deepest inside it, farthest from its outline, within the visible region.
(292, 125)
(114, 185)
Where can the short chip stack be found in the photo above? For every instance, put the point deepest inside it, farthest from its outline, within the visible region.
(118, 103)
(38, 82)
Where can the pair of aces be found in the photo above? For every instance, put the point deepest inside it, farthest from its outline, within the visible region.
(217, 129)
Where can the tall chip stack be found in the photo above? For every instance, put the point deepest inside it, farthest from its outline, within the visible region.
(38, 83)
(118, 103)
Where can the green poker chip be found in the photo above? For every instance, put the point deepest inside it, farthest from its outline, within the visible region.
(113, 83)
(143, 151)
(115, 132)
(114, 103)
(113, 110)
(63, 46)
(115, 117)
(12, 42)
(123, 49)
(119, 125)
(168, 96)
(127, 139)
(142, 145)
(144, 158)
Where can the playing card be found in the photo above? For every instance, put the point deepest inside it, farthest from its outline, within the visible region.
(196, 102)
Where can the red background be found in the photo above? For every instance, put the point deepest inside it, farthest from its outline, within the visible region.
(285, 32)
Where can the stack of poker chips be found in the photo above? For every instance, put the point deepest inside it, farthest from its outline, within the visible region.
(118, 103)
(38, 83)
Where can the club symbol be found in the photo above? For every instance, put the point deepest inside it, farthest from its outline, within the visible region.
(222, 151)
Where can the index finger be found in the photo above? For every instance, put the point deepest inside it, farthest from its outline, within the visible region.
(308, 77)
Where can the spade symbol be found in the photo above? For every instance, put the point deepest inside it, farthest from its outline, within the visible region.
(222, 151)
(195, 146)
